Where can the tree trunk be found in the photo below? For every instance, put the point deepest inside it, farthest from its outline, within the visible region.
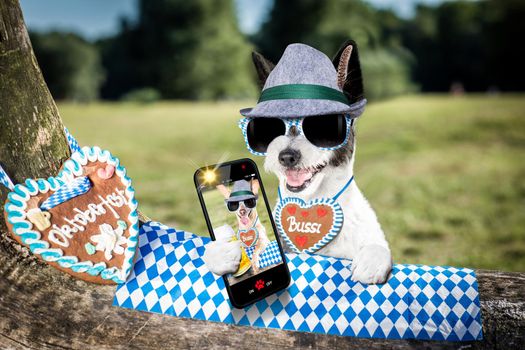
(41, 307)
(32, 141)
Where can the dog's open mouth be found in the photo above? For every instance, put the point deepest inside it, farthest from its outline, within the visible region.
(245, 220)
(298, 179)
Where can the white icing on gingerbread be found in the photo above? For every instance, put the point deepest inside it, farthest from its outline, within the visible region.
(109, 240)
(60, 235)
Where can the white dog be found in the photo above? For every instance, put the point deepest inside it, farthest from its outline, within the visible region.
(307, 171)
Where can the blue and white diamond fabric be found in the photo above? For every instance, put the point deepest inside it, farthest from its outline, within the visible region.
(269, 256)
(422, 302)
(6, 180)
(67, 191)
(73, 144)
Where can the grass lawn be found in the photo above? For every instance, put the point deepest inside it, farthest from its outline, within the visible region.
(444, 174)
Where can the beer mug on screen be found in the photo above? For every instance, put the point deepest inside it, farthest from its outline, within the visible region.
(226, 233)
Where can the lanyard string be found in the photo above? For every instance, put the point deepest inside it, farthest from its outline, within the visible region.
(73, 144)
(334, 197)
(6, 180)
(253, 226)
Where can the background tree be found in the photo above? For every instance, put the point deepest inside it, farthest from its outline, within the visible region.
(448, 44)
(71, 65)
(194, 49)
(185, 49)
(468, 42)
(326, 24)
(504, 26)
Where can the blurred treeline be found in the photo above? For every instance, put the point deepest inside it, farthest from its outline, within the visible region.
(179, 49)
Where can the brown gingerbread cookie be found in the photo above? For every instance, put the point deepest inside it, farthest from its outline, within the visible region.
(84, 221)
(308, 226)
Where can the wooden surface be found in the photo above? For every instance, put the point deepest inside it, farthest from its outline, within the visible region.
(42, 308)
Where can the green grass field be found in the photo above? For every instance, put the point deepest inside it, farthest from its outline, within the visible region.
(444, 174)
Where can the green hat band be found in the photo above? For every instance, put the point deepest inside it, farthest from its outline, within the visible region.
(302, 92)
(241, 193)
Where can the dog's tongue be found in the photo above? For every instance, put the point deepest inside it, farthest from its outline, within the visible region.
(297, 178)
(245, 221)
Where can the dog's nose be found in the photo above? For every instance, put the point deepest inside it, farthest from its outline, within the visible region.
(289, 157)
(242, 211)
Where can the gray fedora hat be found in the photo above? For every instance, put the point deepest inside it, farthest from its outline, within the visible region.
(303, 83)
(242, 190)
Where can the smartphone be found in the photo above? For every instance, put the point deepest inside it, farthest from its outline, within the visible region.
(235, 207)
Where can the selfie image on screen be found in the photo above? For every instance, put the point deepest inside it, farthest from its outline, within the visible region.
(237, 213)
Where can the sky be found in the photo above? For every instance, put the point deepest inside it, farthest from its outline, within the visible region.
(97, 18)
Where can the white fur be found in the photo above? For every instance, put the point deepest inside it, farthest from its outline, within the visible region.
(361, 237)
(223, 257)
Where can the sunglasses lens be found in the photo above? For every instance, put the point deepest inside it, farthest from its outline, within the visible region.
(233, 206)
(250, 203)
(262, 131)
(325, 130)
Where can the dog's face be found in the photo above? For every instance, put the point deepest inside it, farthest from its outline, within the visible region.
(246, 215)
(303, 168)
(245, 210)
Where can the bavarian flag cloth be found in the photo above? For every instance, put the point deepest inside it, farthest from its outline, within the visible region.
(423, 302)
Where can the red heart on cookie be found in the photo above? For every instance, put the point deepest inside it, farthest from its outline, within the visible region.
(248, 237)
(301, 241)
(321, 212)
(291, 210)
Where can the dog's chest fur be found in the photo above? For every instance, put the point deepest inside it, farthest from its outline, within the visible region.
(351, 201)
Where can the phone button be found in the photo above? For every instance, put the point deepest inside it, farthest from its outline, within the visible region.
(259, 284)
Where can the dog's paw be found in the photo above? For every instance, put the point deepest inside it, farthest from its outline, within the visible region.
(372, 264)
(222, 257)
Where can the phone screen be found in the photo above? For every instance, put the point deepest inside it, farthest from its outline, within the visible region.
(236, 208)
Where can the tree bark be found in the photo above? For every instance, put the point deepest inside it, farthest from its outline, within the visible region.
(43, 308)
(32, 141)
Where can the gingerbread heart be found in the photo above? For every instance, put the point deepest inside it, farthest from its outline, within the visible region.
(308, 226)
(84, 221)
(248, 237)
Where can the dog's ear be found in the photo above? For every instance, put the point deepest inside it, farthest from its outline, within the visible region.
(224, 190)
(349, 77)
(263, 66)
(255, 186)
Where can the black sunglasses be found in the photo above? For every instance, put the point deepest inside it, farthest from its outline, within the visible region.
(328, 132)
(249, 203)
